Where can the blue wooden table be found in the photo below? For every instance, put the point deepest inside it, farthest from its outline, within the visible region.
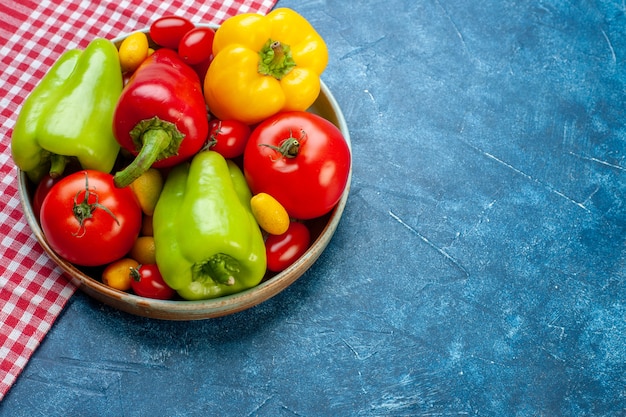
(479, 267)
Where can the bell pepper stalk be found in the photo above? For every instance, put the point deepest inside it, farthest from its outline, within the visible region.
(69, 114)
(263, 65)
(208, 243)
(161, 117)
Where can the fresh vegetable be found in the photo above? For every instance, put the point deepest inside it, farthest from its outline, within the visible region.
(228, 137)
(264, 64)
(42, 190)
(167, 31)
(119, 274)
(147, 189)
(148, 282)
(143, 250)
(161, 115)
(26, 150)
(301, 159)
(283, 250)
(69, 114)
(208, 243)
(194, 228)
(269, 214)
(133, 50)
(196, 46)
(88, 221)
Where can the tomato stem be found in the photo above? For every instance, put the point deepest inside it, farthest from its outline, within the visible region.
(135, 274)
(290, 147)
(83, 210)
(213, 137)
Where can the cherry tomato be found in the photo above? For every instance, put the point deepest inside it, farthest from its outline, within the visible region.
(228, 137)
(88, 221)
(299, 158)
(44, 186)
(143, 251)
(196, 46)
(119, 274)
(283, 250)
(167, 31)
(148, 282)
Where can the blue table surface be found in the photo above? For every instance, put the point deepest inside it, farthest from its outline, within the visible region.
(479, 267)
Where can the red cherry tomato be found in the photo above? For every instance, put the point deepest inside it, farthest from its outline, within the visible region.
(196, 46)
(300, 159)
(283, 250)
(148, 282)
(228, 137)
(167, 31)
(88, 221)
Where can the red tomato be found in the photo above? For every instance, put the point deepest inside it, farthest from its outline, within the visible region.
(196, 46)
(148, 282)
(167, 31)
(283, 250)
(88, 221)
(299, 158)
(42, 190)
(228, 137)
(46, 183)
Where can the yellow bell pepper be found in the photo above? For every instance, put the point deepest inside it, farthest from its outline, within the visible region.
(263, 65)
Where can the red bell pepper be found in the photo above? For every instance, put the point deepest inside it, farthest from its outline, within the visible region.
(161, 116)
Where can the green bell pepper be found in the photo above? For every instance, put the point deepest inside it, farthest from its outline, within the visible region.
(208, 243)
(70, 114)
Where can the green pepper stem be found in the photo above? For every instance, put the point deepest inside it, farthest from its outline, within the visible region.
(57, 165)
(219, 268)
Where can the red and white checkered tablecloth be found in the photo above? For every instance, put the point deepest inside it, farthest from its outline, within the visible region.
(33, 34)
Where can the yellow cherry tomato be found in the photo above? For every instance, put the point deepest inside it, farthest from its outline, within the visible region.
(133, 50)
(269, 214)
(143, 250)
(118, 274)
(148, 188)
